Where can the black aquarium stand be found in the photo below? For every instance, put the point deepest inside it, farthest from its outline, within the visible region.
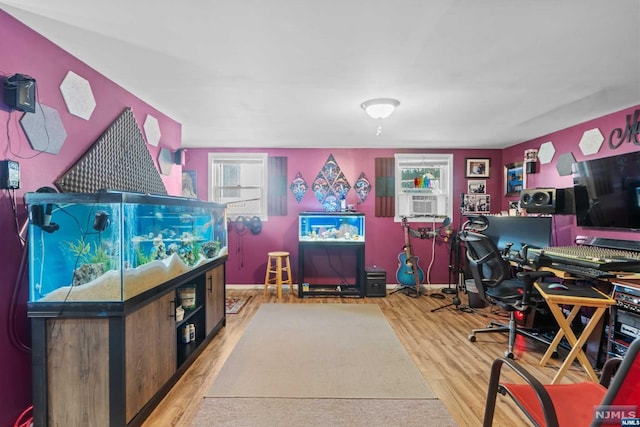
(327, 268)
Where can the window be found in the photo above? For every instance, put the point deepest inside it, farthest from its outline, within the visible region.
(240, 180)
(424, 186)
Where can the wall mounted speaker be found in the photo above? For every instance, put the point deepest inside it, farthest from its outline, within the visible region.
(531, 167)
(179, 156)
(547, 200)
(20, 92)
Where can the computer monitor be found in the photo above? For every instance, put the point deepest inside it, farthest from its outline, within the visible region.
(534, 231)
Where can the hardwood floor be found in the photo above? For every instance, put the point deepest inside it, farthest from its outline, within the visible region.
(456, 369)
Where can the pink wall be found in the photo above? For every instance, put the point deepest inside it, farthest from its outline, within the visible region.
(24, 51)
(385, 238)
(567, 141)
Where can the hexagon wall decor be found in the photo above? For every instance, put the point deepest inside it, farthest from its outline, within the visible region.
(546, 152)
(152, 130)
(78, 95)
(565, 164)
(165, 161)
(44, 129)
(591, 141)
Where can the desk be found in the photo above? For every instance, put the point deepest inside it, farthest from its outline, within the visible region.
(578, 297)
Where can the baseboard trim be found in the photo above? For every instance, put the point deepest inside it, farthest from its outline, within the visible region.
(390, 286)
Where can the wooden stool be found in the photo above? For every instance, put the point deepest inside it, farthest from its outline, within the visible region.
(275, 271)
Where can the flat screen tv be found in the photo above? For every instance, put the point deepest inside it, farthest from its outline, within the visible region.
(607, 192)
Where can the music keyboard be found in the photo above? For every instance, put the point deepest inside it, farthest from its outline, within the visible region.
(579, 271)
(603, 259)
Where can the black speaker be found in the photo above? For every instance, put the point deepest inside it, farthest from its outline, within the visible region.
(547, 200)
(531, 167)
(20, 92)
(376, 282)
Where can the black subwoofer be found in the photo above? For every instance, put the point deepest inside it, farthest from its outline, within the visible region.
(376, 282)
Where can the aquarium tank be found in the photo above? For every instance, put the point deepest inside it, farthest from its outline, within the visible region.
(347, 227)
(112, 246)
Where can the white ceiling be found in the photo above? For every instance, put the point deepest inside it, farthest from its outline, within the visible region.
(292, 73)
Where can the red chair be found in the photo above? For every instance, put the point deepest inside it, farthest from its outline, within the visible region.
(572, 405)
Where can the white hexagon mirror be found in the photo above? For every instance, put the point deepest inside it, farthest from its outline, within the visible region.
(78, 95)
(591, 141)
(546, 153)
(152, 130)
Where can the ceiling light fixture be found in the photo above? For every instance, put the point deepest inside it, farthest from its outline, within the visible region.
(380, 108)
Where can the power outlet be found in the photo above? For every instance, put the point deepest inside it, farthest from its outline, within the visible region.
(9, 175)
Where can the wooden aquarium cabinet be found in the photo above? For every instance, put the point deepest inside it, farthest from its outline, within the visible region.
(109, 364)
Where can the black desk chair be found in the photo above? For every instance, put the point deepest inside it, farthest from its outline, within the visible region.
(493, 276)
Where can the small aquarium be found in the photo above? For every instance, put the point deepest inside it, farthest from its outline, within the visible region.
(112, 246)
(345, 227)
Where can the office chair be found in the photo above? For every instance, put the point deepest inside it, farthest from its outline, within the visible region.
(573, 405)
(497, 285)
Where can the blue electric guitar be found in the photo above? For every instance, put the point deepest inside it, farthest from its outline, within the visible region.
(409, 272)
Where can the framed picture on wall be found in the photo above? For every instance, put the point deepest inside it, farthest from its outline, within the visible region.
(477, 186)
(513, 179)
(477, 168)
(189, 184)
(469, 203)
(483, 203)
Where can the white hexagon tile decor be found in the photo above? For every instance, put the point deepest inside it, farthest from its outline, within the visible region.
(152, 130)
(44, 129)
(78, 95)
(565, 163)
(546, 152)
(591, 141)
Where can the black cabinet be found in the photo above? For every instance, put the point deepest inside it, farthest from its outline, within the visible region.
(376, 282)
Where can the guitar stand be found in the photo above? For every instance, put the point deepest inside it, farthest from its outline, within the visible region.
(409, 289)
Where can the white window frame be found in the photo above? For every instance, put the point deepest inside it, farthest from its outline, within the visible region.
(431, 204)
(252, 179)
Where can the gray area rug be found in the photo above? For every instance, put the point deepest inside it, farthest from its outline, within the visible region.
(319, 351)
(278, 412)
(320, 365)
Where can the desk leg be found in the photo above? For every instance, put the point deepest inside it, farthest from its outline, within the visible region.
(556, 340)
(576, 344)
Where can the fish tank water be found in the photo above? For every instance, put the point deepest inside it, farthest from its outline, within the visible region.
(347, 227)
(112, 246)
